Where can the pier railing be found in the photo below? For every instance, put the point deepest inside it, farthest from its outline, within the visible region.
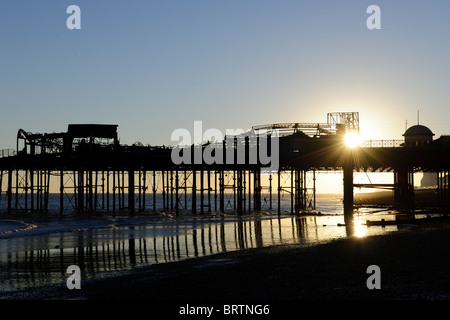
(382, 143)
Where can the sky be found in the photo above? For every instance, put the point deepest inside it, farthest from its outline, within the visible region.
(154, 66)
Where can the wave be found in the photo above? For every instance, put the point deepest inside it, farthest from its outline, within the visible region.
(17, 228)
(14, 226)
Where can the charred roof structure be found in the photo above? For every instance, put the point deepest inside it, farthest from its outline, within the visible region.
(66, 142)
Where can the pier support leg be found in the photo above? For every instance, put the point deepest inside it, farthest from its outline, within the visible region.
(131, 191)
(240, 191)
(279, 192)
(163, 190)
(249, 191)
(222, 190)
(114, 191)
(404, 189)
(107, 191)
(80, 191)
(9, 189)
(348, 186)
(177, 209)
(202, 189)
(194, 191)
(257, 190)
(154, 191)
(61, 192)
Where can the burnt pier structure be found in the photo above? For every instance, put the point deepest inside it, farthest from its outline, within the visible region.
(89, 170)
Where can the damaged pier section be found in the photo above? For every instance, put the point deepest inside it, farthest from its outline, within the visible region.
(92, 172)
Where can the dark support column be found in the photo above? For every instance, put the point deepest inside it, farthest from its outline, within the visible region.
(279, 192)
(249, 191)
(139, 191)
(26, 190)
(80, 191)
(154, 191)
(9, 189)
(107, 191)
(47, 190)
(215, 190)
(222, 190)
(168, 192)
(403, 189)
(446, 185)
(114, 191)
(209, 189)
(123, 188)
(185, 179)
(244, 186)
(177, 209)
(89, 202)
(348, 185)
(257, 189)
(239, 192)
(163, 190)
(292, 191)
(411, 202)
(32, 188)
(17, 190)
(61, 191)
(119, 188)
(103, 190)
(314, 189)
(131, 191)
(202, 189)
(194, 191)
(234, 189)
(171, 189)
(1, 182)
(270, 191)
(74, 175)
(144, 189)
(297, 190)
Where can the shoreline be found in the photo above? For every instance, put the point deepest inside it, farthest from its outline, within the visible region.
(414, 265)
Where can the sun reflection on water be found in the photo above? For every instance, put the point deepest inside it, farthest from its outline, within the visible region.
(360, 230)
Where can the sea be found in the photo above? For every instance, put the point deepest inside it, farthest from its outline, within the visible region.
(36, 249)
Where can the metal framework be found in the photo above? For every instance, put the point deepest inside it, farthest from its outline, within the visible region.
(87, 170)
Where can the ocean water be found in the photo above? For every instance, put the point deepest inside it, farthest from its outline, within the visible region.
(36, 249)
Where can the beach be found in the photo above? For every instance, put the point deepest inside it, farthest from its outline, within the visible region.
(414, 264)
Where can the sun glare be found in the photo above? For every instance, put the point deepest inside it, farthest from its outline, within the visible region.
(352, 139)
(360, 229)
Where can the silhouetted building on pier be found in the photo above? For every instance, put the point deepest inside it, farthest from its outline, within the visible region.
(418, 136)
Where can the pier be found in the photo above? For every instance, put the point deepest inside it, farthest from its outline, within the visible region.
(91, 171)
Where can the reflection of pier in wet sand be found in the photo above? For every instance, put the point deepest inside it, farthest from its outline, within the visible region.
(100, 251)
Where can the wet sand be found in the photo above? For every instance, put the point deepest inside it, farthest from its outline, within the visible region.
(414, 264)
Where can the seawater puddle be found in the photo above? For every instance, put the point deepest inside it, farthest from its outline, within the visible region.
(103, 245)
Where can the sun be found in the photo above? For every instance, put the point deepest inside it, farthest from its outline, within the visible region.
(352, 139)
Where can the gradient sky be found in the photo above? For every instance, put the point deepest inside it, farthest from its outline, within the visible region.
(154, 66)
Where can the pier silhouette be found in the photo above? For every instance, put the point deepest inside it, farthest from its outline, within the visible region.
(92, 171)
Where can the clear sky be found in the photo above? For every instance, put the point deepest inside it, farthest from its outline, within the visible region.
(154, 66)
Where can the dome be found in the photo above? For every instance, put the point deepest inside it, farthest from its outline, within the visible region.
(418, 130)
